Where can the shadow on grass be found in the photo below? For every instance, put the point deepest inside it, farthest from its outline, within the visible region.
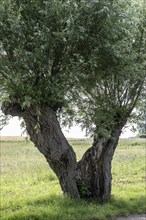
(61, 208)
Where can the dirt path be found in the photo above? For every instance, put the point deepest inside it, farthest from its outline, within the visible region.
(133, 217)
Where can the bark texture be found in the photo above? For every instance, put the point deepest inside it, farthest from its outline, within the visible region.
(89, 178)
(53, 145)
(46, 134)
(94, 176)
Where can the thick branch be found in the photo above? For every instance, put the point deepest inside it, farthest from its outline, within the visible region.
(13, 109)
(51, 142)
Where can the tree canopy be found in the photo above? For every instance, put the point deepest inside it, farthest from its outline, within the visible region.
(111, 63)
(49, 48)
(36, 51)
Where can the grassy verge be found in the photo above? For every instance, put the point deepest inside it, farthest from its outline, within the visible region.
(30, 190)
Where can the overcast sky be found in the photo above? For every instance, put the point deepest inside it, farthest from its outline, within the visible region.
(13, 129)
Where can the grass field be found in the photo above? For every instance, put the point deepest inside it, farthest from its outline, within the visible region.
(30, 190)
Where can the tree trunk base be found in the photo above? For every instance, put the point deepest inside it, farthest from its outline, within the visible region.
(91, 177)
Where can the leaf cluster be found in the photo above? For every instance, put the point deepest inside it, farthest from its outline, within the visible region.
(35, 46)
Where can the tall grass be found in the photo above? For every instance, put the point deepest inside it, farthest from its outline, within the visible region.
(30, 190)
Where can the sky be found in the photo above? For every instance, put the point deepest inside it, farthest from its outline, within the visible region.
(13, 129)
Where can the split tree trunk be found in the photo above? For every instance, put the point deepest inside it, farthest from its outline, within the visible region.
(89, 178)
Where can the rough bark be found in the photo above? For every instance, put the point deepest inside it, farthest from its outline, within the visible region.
(50, 141)
(89, 178)
(94, 176)
(53, 145)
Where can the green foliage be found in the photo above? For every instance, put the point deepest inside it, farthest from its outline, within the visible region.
(3, 120)
(142, 136)
(85, 191)
(35, 45)
(142, 122)
(29, 189)
(141, 108)
(86, 58)
(113, 67)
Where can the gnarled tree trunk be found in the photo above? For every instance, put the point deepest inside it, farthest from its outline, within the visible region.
(50, 141)
(94, 176)
(89, 178)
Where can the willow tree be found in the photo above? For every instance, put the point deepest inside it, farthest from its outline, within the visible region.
(59, 54)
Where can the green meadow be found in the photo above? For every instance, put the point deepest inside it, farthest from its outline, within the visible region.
(30, 190)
